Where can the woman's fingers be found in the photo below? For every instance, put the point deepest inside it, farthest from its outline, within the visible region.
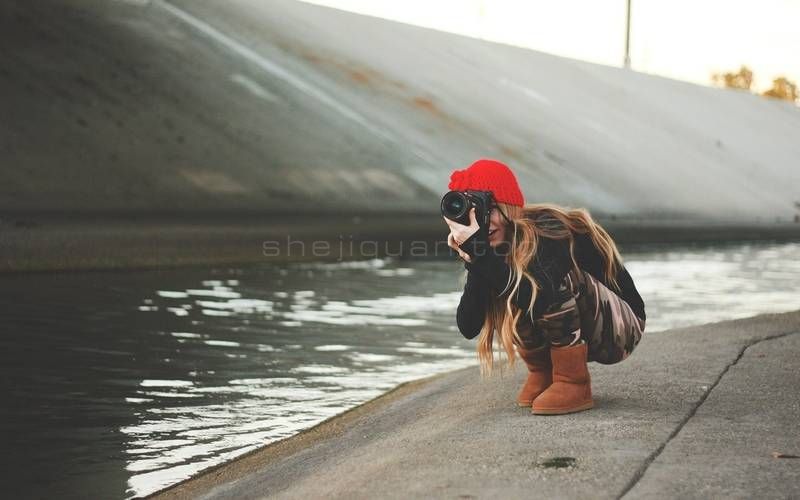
(451, 237)
(473, 219)
(451, 242)
(464, 255)
(461, 232)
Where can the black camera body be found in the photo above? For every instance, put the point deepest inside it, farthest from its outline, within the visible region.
(457, 204)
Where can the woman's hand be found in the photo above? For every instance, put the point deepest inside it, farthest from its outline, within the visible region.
(459, 233)
(452, 244)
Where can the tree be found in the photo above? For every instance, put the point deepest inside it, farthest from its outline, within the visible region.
(783, 88)
(743, 79)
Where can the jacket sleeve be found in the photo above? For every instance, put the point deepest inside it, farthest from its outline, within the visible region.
(548, 267)
(471, 311)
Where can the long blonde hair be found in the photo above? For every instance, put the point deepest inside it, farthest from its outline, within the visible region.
(527, 225)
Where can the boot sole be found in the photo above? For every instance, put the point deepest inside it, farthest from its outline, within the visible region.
(562, 411)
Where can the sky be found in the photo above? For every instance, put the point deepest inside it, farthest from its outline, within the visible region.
(681, 39)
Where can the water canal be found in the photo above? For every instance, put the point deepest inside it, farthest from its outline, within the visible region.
(117, 384)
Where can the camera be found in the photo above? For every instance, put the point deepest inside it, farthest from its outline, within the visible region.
(457, 204)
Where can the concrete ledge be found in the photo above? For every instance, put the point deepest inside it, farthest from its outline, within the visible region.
(695, 412)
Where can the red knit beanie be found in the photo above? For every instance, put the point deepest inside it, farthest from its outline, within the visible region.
(489, 175)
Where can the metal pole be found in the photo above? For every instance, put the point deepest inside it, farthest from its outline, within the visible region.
(628, 38)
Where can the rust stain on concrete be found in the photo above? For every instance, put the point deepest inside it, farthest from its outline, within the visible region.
(428, 105)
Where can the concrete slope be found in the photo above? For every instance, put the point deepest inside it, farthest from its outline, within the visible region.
(694, 413)
(279, 106)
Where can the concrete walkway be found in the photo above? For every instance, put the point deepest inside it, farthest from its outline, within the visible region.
(698, 412)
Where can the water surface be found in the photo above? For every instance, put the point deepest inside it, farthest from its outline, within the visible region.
(118, 384)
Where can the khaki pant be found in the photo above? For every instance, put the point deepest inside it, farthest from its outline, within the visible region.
(587, 310)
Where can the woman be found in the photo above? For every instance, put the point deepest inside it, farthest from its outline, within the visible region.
(551, 283)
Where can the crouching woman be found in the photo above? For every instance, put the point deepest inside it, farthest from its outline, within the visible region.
(550, 282)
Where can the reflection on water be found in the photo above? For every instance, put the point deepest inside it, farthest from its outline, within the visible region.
(306, 341)
(690, 287)
(120, 384)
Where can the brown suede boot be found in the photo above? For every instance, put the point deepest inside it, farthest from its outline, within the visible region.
(571, 390)
(540, 373)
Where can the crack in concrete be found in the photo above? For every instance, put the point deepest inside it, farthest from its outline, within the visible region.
(640, 472)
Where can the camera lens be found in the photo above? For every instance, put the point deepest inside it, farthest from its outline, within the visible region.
(454, 204)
